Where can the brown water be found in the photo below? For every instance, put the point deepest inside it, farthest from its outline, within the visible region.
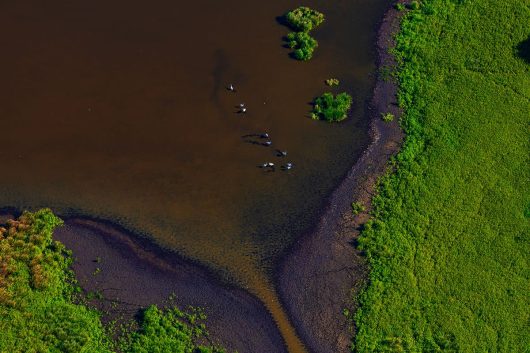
(119, 110)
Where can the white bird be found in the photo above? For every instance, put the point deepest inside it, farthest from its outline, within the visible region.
(288, 166)
(264, 135)
(267, 143)
(241, 105)
(283, 153)
(231, 87)
(268, 165)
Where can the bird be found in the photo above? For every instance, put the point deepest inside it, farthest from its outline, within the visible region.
(282, 153)
(241, 105)
(231, 87)
(267, 143)
(287, 166)
(264, 135)
(243, 110)
(267, 165)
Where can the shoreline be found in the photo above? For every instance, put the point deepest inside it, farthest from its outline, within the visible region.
(128, 272)
(319, 276)
(136, 271)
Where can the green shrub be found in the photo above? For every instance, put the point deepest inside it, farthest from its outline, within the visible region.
(400, 6)
(303, 45)
(357, 208)
(168, 330)
(331, 108)
(388, 117)
(304, 19)
(414, 5)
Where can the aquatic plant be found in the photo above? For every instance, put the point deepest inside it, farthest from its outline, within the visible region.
(332, 108)
(388, 117)
(303, 45)
(332, 82)
(304, 19)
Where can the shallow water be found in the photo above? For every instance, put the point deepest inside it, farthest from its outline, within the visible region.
(119, 110)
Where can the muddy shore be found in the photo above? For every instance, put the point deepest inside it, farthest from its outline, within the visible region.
(320, 276)
(314, 280)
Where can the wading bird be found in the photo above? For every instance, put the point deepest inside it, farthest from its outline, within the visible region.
(287, 166)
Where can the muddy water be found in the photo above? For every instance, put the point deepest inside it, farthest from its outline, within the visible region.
(119, 110)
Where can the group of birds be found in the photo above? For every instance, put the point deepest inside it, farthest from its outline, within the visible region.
(279, 153)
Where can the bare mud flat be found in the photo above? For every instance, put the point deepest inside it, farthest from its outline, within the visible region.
(134, 274)
(319, 278)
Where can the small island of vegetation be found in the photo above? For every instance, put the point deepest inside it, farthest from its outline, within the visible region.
(302, 20)
(332, 108)
(303, 44)
(332, 82)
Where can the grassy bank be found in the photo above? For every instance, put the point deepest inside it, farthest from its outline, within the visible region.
(448, 246)
(42, 310)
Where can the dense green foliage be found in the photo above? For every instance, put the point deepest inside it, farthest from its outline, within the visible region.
(448, 246)
(38, 312)
(36, 309)
(168, 330)
(304, 19)
(332, 108)
(303, 44)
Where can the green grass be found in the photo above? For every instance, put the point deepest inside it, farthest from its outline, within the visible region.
(331, 108)
(448, 246)
(39, 311)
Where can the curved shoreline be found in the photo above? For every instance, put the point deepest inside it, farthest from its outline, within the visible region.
(136, 272)
(130, 272)
(319, 276)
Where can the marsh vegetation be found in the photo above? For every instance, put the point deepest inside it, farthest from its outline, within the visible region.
(449, 242)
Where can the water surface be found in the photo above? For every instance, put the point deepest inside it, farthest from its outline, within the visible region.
(119, 110)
